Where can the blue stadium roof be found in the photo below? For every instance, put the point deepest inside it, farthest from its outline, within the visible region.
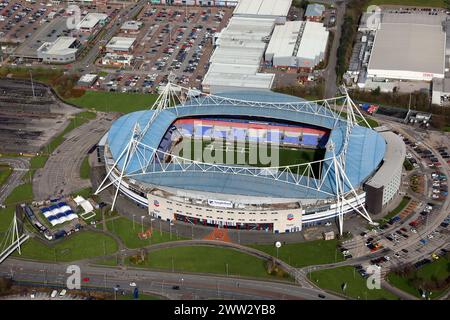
(365, 152)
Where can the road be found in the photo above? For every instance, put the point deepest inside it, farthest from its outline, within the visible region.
(20, 168)
(330, 71)
(293, 272)
(192, 286)
(61, 173)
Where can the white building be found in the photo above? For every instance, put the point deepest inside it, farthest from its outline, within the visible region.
(91, 21)
(120, 60)
(87, 80)
(212, 3)
(297, 44)
(62, 50)
(441, 92)
(131, 26)
(236, 60)
(271, 9)
(385, 184)
(408, 48)
(120, 45)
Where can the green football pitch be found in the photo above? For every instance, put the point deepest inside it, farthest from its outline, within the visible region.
(246, 154)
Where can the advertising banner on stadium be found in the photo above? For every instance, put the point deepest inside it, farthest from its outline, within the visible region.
(220, 203)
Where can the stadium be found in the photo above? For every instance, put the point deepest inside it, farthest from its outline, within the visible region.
(323, 158)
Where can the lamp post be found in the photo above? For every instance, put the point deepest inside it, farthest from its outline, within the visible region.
(142, 223)
(277, 245)
(151, 223)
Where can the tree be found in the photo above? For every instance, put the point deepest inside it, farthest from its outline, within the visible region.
(377, 91)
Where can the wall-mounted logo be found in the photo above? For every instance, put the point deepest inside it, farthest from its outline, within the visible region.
(290, 216)
(156, 203)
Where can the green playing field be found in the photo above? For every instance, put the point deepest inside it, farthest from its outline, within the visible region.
(247, 154)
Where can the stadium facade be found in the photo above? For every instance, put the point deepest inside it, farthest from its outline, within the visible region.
(141, 164)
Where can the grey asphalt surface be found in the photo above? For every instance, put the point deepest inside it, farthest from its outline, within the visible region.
(61, 173)
(20, 168)
(330, 71)
(192, 286)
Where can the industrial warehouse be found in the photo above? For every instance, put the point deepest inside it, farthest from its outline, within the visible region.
(259, 31)
(298, 44)
(400, 50)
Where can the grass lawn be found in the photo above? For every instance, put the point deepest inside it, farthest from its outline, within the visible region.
(111, 262)
(333, 280)
(85, 168)
(38, 162)
(305, 253)
(414, 3)
(5, 172)
(402, 205)
(238, 153)
(85, 193)
(439, 270)
(123, 227)
(21, 193)
(82, 245)
(206, 259)
(6, 216)
(114, 101)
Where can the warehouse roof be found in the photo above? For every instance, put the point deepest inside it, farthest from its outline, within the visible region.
(131, 25)
(310, 37)
(263, 7)
(284, 38)
(409, 47)
(91, 20)
(120, 43)
(314, 10)
(61, 46)
(314, 40)
(235, 61)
